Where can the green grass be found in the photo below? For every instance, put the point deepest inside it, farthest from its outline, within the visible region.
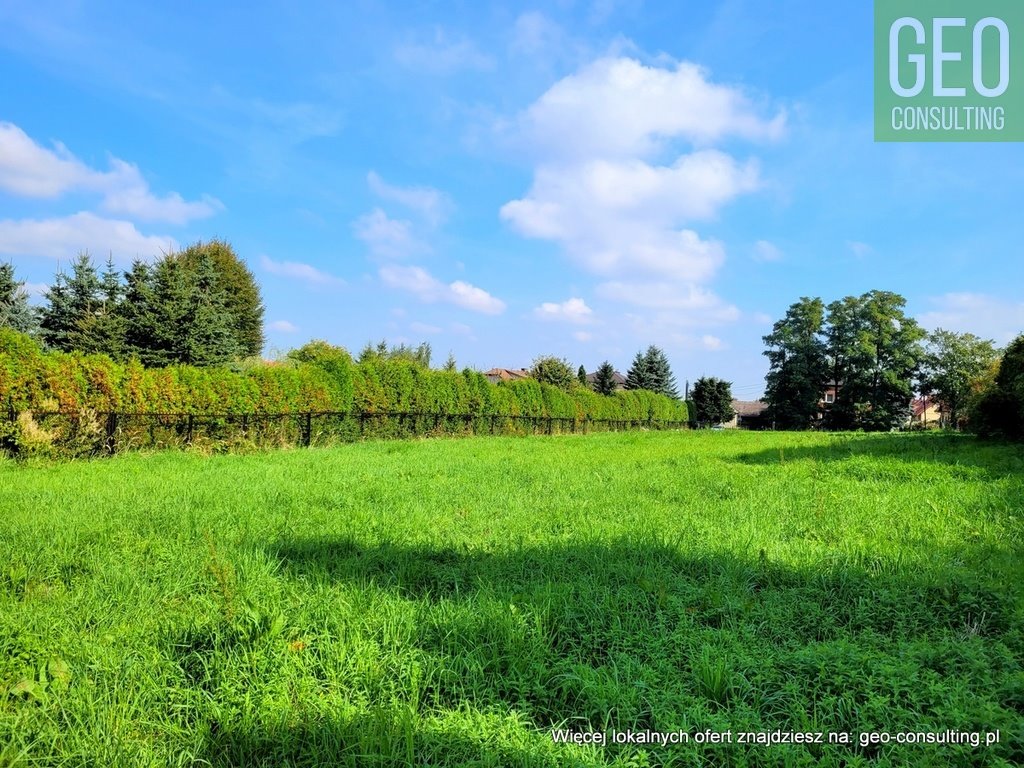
(452, 602)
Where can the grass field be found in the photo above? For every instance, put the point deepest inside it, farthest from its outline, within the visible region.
(456, 602)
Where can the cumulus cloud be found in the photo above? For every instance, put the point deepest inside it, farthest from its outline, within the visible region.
(429, 289)
(61, 238)
(432, 204)
(618, 107)
(571, 310)
(387, 238)
(614, 188)
(33, 171)
(624, 216)
(299, 271)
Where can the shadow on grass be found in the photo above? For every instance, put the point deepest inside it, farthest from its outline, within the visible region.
(965, 456)
(635, 579)
(640, 635)
(384, 738)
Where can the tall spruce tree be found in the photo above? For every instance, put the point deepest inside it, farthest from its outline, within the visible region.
(664, 383)
(604, 379)
(15, 311)
(103, 330)
(581, 376)
(72, 305)
(638, 376)
(650, 370)
(138, 315)
(797, 358)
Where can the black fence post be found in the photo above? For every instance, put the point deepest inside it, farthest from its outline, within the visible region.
(307, 438)
(111, 439)
(188, 429)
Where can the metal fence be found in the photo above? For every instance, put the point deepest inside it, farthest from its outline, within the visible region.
(92, 432)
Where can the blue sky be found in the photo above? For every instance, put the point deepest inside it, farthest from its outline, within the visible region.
(502, 180)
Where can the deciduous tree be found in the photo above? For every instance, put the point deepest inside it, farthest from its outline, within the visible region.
(951, 362)
(797, 358)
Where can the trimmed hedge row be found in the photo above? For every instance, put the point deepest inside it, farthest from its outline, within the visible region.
(316, 378)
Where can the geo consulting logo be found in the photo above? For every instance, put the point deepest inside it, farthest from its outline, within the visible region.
(949, 70)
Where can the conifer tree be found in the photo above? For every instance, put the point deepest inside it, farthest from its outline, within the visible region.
(15, 311)
(604, 379)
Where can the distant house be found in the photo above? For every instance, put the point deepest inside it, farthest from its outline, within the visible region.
(749, 415)
(925, 411)
(618, 378)
(506, 374)
(828, 397)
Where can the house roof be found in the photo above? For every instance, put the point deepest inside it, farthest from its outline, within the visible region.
(507, 374)
(922, 404)
(749, 407)
(617, 378)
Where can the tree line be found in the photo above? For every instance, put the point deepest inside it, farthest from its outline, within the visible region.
(199, 306)
(869, 358)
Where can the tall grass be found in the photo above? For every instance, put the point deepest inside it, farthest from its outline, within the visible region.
(455, 602)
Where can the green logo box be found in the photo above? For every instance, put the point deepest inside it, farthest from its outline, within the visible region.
(949, 70)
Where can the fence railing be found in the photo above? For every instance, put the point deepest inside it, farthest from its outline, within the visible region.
(92, 432)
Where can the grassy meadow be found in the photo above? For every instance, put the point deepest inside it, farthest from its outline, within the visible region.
(456, 602)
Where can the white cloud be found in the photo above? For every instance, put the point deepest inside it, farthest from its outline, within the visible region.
(614, 189)
(535, 33)
(985, 316)
(712, 343)
(442, 55)
(618, 107)
(583, 336)
(690, 304)
(477, 299)
(62, 238)
(571, 310)
(282, 326)
(130, 196)
(387, 238)
(30, 170)
(36, 290)
(429, 289)
(299, 271)
(623, 217)
(766, 251)
(858, 249)
(432, 204)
